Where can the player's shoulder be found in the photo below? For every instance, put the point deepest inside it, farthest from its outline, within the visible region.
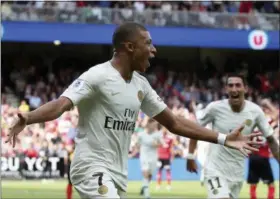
(140, 78)
(97, 73)
(251, 106)
(217, 104)
(141, 82)
(101, 68)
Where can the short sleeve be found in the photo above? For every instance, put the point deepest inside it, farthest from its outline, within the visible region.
(206, 116)
(152, 104)
(263, 124)
(84, 87)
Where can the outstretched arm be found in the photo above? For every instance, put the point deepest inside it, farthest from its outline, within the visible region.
(186, 128)
(48, 111)
(79, 90)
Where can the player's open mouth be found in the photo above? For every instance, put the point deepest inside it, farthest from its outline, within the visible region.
(235, 96)
(149, 61)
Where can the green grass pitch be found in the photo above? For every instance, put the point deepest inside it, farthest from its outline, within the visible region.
(56, 189)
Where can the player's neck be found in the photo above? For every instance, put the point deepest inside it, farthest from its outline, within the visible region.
(122, 65)
(237, 108)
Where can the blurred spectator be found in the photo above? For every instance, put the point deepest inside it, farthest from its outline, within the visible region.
(159, 13)
(6, 11)
(23, 106)
(34, 100)
(245, 8)
(139, 6)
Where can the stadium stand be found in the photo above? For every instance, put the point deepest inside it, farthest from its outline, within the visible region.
(33, 88)
(216, 14)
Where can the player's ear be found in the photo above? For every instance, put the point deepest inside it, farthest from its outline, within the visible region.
(129, 46)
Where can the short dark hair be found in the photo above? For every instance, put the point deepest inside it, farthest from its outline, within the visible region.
(238, 75)
(125, 32)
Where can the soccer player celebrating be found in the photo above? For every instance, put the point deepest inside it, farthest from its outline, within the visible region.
(224, 167)
(109, 97)
(165, 154)
(259, 165)
(148, 142)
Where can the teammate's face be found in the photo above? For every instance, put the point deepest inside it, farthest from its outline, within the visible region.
(152, 127)
(143, 51)
(236, 91)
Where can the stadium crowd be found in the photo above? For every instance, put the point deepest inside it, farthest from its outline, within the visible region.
(33, 86)
(160, 13)
(165, 6)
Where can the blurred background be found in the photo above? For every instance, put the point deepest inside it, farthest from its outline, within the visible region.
(47, 44)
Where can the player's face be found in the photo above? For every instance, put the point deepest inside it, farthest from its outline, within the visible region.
(144, 50)
(236, 91)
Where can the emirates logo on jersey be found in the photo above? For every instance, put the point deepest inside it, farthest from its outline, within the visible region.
(140, 95)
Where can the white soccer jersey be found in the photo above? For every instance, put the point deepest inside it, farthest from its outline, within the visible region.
(108, 108)
(222, 161)
(148, 150)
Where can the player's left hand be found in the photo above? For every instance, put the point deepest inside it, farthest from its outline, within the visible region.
(243, 143)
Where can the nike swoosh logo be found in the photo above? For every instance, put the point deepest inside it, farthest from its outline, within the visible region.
(115, 93)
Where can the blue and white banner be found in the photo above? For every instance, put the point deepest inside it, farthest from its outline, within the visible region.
(162, 36)
(53, 167)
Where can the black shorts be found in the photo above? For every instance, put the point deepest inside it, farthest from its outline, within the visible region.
(259, 169)
(164, 163)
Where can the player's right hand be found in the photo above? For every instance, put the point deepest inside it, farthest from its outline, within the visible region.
(243, 143)
(17, 126)
(191, 166)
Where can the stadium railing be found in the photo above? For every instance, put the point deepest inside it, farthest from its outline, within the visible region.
(100, 15)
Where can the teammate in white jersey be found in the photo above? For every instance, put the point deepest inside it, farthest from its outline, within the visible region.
(109, 97)
(224, 167)
(147, 144)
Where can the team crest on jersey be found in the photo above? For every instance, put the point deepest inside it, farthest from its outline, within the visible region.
(140, 95)
(248, 122)
(103, 189)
